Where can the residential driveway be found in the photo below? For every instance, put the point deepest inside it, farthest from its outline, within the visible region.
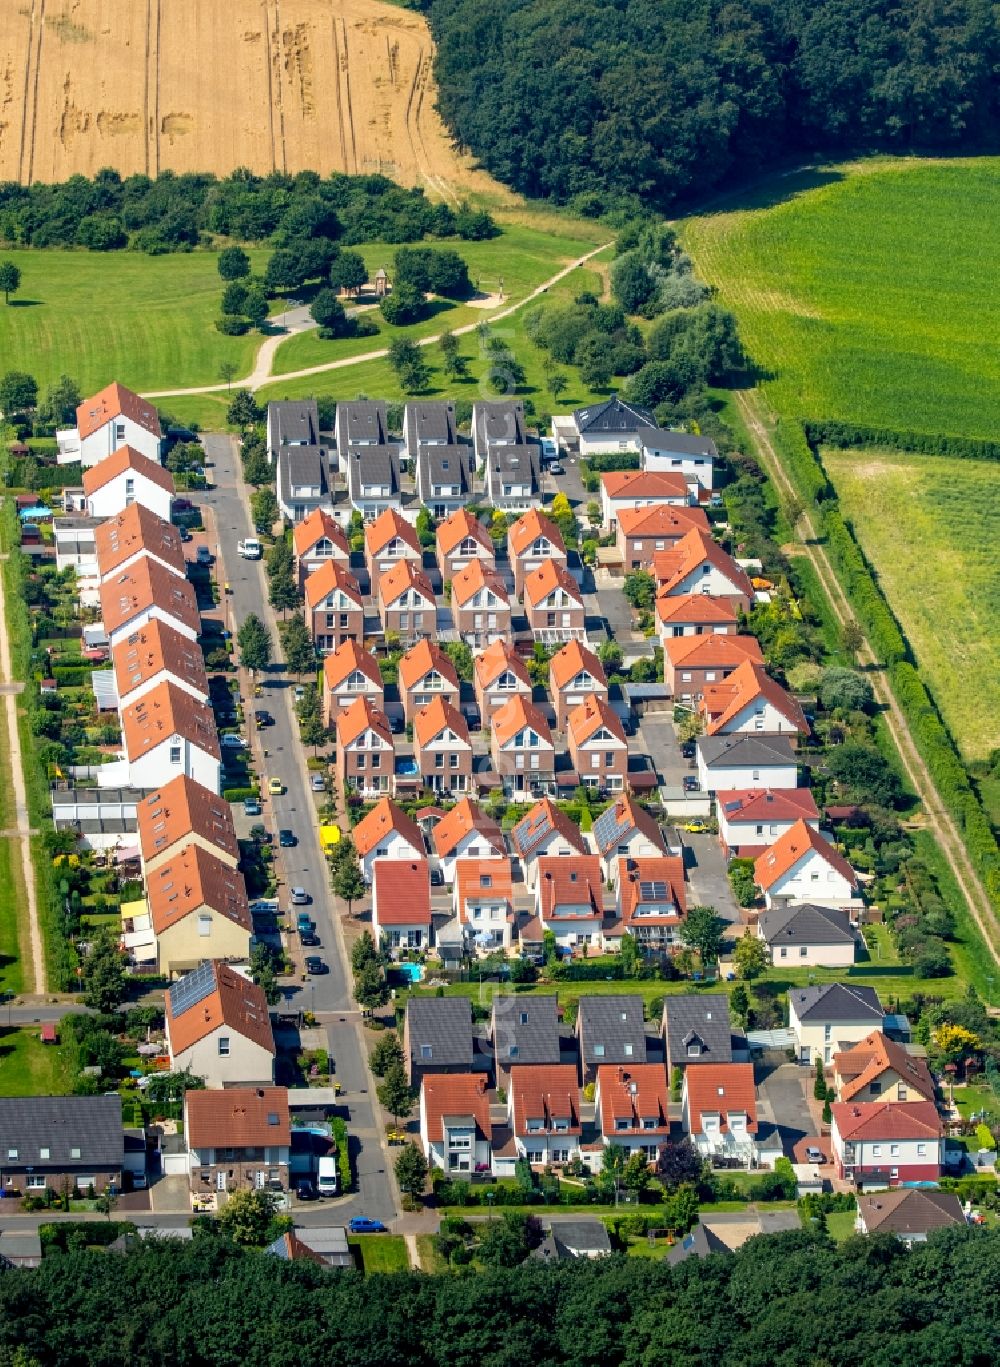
(782, 1102)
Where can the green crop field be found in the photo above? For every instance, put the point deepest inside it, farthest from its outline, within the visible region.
(148, 321)
(872, 297)
(931, 527)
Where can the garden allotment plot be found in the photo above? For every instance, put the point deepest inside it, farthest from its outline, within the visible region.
(873, 297)
(931, 528)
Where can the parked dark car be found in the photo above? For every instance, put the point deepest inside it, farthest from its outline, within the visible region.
(310, 939)
(397, 725)
(690, 783)
(287, 839)
(261, 834)
(316, 966)
(262, 718)
(688, 750)
(437, 878)
(305, 1191)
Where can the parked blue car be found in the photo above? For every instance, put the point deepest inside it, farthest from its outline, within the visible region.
(362, 1225)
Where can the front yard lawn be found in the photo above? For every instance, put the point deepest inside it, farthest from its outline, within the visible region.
(30, 1068)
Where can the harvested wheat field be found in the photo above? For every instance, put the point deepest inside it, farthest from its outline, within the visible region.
(210, 85)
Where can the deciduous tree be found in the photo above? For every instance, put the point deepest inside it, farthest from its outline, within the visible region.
(10, 279)
(254, 641)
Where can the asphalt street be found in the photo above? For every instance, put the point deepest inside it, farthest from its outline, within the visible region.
(329, 996)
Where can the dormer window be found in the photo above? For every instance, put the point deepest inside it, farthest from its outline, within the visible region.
(694, 1049)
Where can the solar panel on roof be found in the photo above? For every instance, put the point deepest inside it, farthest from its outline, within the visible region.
(192, 989)
(653, 891)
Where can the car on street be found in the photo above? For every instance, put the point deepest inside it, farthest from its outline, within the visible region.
(305, 1191)
(316, 966)
(203, 556)
(275, 787)
(310, 939)
(317, 783)
(231, 741)
(261, 834)
(251, 807)
(688, 750)
(299, 897)
(250, 549)
(363, 1224)
(304, 923)
(690, 783)
(262, 718)
(696, 827)
(287, 839)
(437, 878)
(556, 469)
(815, 1155)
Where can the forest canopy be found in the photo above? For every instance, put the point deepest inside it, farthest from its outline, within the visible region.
(667, 99)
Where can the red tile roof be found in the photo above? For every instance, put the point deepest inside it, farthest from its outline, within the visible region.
(589, 717)
(235, 1002)
(789, 848)
(570, 880)
(167, 711)
(403, 575)
(515, 714)
(522, 534)
(634, 876)
(180, 809)
(661, 519)
(401, 891)
(135, 530)
(866, 1061)
(626, 816)
(125, 458)
(361, 716)
(547, 1092)
(474, 577)
(723, 703)
(483, 880)
(886, 1120)
(461, 524)
(193, 879)
(700, 609)
(452, 1095)
(568, 662)
(766, 804)
(718, 1089)
(112, 402)
(431, 720)
(348, 657)
(315, 527)
(672, 566)
(495, 660)
(387, 526)
(154, 649)
(633, 1092)
(421, 659)
(643, 484)
(712, 651)
(548, 576)
(384, 818)
(146, 584)
(329, 576)
(465, 817)
(238, 1118)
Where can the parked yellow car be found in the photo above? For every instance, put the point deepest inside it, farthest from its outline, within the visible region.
(275, 787)
(696, 827)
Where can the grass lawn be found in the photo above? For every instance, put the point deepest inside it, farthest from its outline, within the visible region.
(148, 321)
(13, 916)
(939, 569)
(840, 1225)
(430, 1259)
(971, 1100)
(30, 1068)
(868, 292)
(381, 1252)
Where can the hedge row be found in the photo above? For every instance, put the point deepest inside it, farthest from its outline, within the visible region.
(873, 613)
(846, 435)
(800, 461)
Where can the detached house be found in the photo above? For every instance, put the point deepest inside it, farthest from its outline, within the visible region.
(437, 1037)
(809, 936)
(373, 480)
(389, 539)
(167, 732)
(183, 813)
(610, 1030)
(545, 830)
(828, 1017)
(137, 532)
(365, 749)
(911, 1214)
(146, 592)
(626, 831)
(745, 761)
(532, 541)
(156, 654)
(350, 673)
(752, 820)
(406, 602)
(455, 1128)
(303, 482)
(484, 903)
(646, 532)
(480, 607)
(219, 1028)
(525, 1031)
(543, 1108)
(460, 539)
(237, 1139)
(335, 608)
(553, 604)
(521, 748)
(679, 453)
(198, 909)
(652, 900)
(509, 458)
(802, 866)
(499, 674)
(401, 904)
(885, 1143)
(879, 1069)
(597, 745)
(315, 541)
(696, 1030)
(442, 748)
(719, 1110)
(632, 1106)
(386, 833)
(466, 832)
(694, 614)
(110, 419)
(125, 477)
(444, 477)
(426, 673)
(692, 663)
(575, 674)
(697, 564)
(627, 489)
(569, 900)
(749, 701)
(613, 425)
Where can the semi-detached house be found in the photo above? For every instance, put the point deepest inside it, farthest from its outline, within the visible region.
(365, 749)
(480, 605)
(499, 673)
(401, 904)
(219, 1028)
(803, 866)
(126, 477)
(316, 540)
(350, 673)
(455, 1128)
(646, 532)
(134, 533)
(147, 591)
(386, 833)
(182, 813)
(442, 749)
(631, 1103)
(237, 1139)
(575, 674)
(155, 654)
(886, 1143)
(426, 673)
(198, 909)
(532, 541)
(335, 608)
(521, 748)
(167, 732)
(406, 601)
(460, 539)
(108, 420)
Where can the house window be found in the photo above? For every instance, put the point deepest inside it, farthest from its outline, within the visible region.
(876, 1150)
(204, 925)
(426, 1051)
(175, 754)
(648, 1123)
(36, 1179)
(628, 1049)
(621, 1125)
(783, 952)
(74, 1153)
(893, 1150)
(223, 1046)
(12, 1153)
(43, 1153)
(598, 1051)
(439, 761)
(921, 1150)
(694, 1049)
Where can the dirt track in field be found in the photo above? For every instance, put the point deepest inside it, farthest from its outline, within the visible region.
(210, 85)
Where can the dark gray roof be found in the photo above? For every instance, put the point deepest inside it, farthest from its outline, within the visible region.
(362, 420)
(614, 415)
(610, 831)
(582, 1236)
(513, 463)
(499, 422)
(525, 1030)
(374, 464)
(444, 465)
(836, 1002)
(698, 1018)
(806, 924)
(442, 1026)
(91, 1125)
(699, 1243)
(429, 422)
(910, 1211)
(611, 1030)
(748, 750)
(300, 465)
(296, 421)
(655, 439)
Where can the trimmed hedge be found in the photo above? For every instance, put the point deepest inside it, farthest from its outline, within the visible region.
(801, 463)
(846, 435)
(873, 612)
